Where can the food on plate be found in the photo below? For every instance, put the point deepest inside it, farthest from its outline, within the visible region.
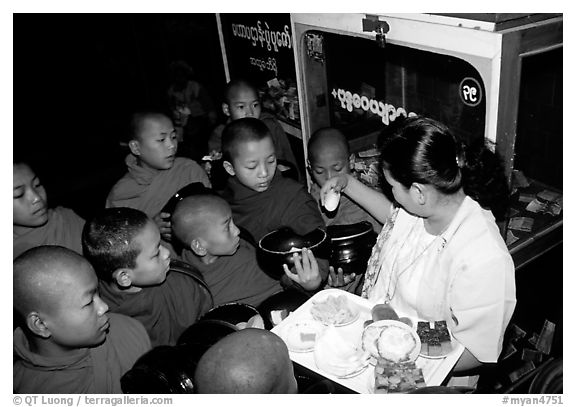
(383, 311)
(370, 339)
(435, 338)
(335, 355)
(367, 322)
(407, 321)
(301, 336)
(395, 344)
(391, 340)
(335, 310)
(392, 377)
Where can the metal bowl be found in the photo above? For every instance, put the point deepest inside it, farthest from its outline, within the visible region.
(351, 246)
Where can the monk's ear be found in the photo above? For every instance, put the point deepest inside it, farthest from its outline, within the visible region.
(198, 248)
(226, 109)
(37, 326)
(229, 168)
(134, 146)
(123, 277)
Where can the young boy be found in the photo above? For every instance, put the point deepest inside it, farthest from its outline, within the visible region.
(241, 100)
(133, 267)
(261, 199)
(67, 342)
(329, 155)
(155, 174)
(251, 361)
(203, 223)
(36, 225)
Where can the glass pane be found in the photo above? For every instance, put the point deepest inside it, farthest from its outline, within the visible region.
(369, 86)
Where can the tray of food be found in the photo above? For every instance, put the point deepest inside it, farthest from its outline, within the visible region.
(364, 346)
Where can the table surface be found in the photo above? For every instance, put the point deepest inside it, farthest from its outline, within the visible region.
(434, 370)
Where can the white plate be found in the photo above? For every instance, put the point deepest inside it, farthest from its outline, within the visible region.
(413, 355)
(292, 334)
(354, 314)
(452, 349)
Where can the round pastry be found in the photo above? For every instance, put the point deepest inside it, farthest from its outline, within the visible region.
(370, 338)
(395, 344)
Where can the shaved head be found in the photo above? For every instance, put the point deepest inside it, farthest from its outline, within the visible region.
(252, 361)
(41, 276)
(192, 215)
(328, 138)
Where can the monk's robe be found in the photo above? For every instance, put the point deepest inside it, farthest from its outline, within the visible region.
(91, 370)
(148, 189)
(236, 278)
(165, 310)
(64, 228)
(285, 203)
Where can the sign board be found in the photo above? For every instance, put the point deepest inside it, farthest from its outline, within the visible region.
(259, 47)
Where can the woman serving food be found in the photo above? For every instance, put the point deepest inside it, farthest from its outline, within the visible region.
(440, 255)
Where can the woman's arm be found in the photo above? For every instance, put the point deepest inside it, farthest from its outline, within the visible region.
(374, 202)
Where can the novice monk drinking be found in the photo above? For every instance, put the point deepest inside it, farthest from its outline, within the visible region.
(68, 343)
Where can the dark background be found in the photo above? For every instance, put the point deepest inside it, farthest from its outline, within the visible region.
(77, 79)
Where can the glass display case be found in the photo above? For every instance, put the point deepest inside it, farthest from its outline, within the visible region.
(491, 76)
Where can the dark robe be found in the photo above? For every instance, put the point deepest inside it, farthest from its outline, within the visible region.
(92, 371)
(165, 310)
(64, 228)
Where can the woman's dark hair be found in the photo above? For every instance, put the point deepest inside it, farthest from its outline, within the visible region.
(422, 150)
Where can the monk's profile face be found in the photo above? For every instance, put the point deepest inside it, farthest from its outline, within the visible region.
(153, 261)
(77, 316)
(220, 236)
(30, 208)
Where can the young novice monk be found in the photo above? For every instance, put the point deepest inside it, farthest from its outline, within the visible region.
(154, 174)
(33, 223)
(250, 361)
(329, 155)
(241, 100)
(261, 199)
(124, 247)
(212, 244)
(68, 343)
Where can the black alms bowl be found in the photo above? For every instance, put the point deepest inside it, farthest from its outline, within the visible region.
(351, 246)
(231, 312)
(279, 246)
(162, 370)
(195, 188)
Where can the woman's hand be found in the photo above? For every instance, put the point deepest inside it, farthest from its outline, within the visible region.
(162, 220)
(337, 183)
(306, 267)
